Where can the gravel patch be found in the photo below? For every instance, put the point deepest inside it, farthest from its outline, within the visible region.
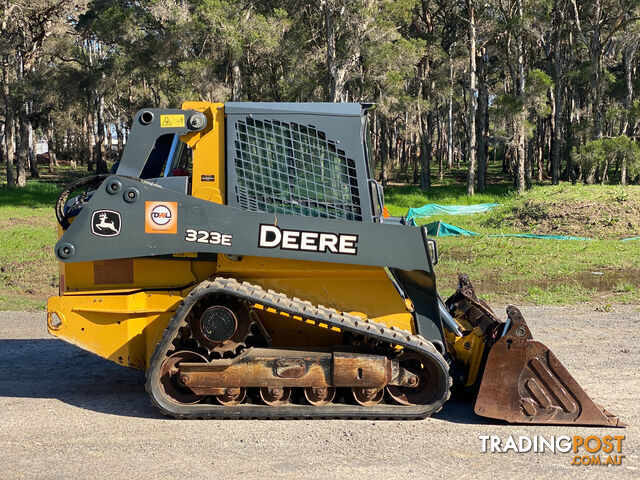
(69, 414)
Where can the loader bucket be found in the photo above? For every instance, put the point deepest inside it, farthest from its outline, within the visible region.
(524, 382)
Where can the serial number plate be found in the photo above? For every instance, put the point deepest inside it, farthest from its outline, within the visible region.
(206, 236)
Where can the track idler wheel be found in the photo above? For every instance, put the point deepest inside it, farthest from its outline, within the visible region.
(426, 381)
(169, 382)
(367, 397)
(275, 396)
(320, 396)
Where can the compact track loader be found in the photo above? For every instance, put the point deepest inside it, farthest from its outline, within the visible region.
(242, 256)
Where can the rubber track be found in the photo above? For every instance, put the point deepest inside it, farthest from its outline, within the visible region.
(304, 310)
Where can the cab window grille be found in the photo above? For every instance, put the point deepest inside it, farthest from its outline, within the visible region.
(291, 168)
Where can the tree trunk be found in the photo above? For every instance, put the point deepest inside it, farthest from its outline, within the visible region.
(505, 160)
(597, 97)
(481, 125)
(528, 165)
(594, 47)
(53, 161)
(9, 148)
(426, 144)
(22, 144)
(22, 150)
(99, 147)
(440, 149)
(32, 152)
(414, 155)
(236, 79)
(627, 59)
(568, 144)
(384, 151)
(471, 132)
(393, 149)
(450, 116)
(542, 128)
(9, 123)
(557, 72)
(337, 76)
(119, 136)
(90, 141)
(556, 141)
(520, 157)
(595, 52)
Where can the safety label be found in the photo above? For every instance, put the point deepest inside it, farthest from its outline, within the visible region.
(171, 121)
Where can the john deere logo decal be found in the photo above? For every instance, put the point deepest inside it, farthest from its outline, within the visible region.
(161, 217)
(105, 223)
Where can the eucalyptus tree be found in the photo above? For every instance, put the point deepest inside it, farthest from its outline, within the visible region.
(596, 23)
(26, 28)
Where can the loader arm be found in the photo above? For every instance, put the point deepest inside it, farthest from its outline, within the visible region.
(208, 229)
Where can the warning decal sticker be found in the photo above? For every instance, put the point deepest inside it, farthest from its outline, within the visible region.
(171, 121)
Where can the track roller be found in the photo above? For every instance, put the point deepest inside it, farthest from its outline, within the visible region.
(320, 396)
(275, 396)
(367, 397)
(232, 396)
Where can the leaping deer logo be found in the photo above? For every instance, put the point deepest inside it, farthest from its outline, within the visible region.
(104, 224)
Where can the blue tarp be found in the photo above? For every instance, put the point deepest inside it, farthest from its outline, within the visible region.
(632, 238)
(547, 237)
(435, 209)
(442, 229)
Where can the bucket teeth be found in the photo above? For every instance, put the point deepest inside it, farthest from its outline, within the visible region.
(524, 382)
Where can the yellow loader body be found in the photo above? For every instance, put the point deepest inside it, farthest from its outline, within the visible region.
(240, 254)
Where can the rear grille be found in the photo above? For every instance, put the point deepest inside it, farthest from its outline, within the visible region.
(292, 168)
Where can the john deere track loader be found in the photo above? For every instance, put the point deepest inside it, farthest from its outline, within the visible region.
(241, 255)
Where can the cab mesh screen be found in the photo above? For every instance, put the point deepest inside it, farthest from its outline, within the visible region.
(290, 168)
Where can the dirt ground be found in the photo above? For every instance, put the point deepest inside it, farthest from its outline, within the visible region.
(70, 414)
(610, 213)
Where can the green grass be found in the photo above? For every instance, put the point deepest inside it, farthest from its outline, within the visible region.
(34, 200)
(35, 194)
(536, 271)
(16, 303)
(399, 199)
(558, 294)
(28, 269)
(508, 268)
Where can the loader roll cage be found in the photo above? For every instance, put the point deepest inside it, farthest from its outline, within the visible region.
(303, 159)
